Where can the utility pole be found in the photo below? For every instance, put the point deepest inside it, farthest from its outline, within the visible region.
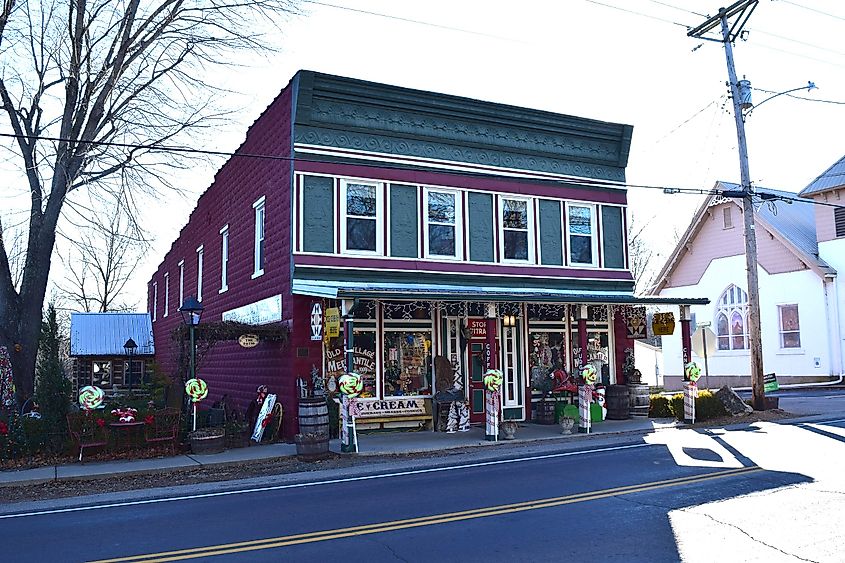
(742, 10)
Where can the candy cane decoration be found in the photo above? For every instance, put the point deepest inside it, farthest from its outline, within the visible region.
(91, 397)
(197, 390)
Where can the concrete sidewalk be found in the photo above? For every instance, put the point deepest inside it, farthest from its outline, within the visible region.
(369, 444)
(814, 406)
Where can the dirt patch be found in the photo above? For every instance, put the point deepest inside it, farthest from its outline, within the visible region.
(754, 416)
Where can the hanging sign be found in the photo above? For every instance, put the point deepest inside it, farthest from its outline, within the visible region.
(248, 340)
(478, 328)
(316, 321)
(635, 324)
(332, 327)
(663, 324)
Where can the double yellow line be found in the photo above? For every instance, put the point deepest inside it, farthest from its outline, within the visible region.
(284, 541)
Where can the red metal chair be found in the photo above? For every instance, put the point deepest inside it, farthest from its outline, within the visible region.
(162, 427)
(85, 432)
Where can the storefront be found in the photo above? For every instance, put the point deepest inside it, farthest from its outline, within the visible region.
(408, 351)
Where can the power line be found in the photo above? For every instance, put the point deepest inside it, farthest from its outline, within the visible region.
(641, 14)
(585, 182)
(835, 102)
(797, 5)
(678, 8)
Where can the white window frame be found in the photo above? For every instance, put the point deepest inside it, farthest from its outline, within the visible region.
(260, 237)
(166, 293)
(458, 224)
(379, 218)
(781, 331)
(224, 258)
(594, 236)
(199, 272)
(529, 210)
(181, 282)
(155, 300)
(733, 300)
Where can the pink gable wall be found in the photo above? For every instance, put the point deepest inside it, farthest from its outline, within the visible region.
(229, 200)
(825, 226)
(714, 241)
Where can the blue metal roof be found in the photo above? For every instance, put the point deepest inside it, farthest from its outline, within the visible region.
(833, 177)
(104, 334)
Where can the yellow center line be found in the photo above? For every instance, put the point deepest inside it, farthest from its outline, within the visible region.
(282, 541)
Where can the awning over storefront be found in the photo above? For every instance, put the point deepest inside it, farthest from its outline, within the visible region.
(442, 292)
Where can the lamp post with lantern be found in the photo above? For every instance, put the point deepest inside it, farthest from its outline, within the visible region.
(130, 348)
(191, 311)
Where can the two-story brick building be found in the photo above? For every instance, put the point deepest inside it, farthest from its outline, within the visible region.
(437, 225)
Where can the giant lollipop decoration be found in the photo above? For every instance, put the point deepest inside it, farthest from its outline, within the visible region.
(590, 374)
(351, 384)
(692, 371)
(197, 390)
(493, 380)
(90, 397)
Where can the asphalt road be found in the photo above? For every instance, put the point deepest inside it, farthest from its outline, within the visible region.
(652, 500)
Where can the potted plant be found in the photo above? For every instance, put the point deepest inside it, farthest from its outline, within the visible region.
(509, 429)
(566, 424)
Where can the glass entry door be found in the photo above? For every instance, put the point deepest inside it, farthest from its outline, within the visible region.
(476, 382)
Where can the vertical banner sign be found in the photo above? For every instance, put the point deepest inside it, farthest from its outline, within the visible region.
(690, 394)
(316, 321)
(585, 395)
(492, 406)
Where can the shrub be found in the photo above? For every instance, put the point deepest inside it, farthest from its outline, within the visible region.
(52, 391)
(707, 406)
(658, 407)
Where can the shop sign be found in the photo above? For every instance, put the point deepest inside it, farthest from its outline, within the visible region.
(262, 312)
(663, 324)
(369, 408)
(488, 356)
(335, 362)
(364, 360)
(636, 325)
(316, 321)
(478, 328)
(333, 322)
(248, 340)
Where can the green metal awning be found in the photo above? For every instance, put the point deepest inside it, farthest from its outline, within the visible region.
(443, 292)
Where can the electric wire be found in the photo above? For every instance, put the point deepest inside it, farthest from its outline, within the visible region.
(835, 102)
(797, 5)
(585, 182)
(636, 13)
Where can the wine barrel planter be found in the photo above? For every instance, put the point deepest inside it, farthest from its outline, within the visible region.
(313, 416)
(207, 440)
(545, 412)
(617, 402)
(312, 446)
(638, 400)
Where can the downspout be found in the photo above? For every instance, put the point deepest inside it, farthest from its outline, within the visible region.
(832, 312)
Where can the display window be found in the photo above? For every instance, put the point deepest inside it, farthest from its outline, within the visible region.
(364, 359)
(407, 357)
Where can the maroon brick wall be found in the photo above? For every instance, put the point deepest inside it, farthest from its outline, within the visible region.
(228, 368)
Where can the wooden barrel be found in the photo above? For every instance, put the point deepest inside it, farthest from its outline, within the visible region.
(638, 400)
(617, 402)
(313, 416)
(545, 412)
(311, 446)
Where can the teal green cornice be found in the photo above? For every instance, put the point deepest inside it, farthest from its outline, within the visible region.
(353, 114)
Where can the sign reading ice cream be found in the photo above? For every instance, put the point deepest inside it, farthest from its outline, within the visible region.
(390, 407)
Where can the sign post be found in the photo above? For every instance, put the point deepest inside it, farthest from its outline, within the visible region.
(704, 345)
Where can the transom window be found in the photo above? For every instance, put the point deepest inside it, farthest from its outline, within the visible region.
(443, 217)
(732, 319)
(790, 328)
(581, 230)
(362, 213)
(516, 230)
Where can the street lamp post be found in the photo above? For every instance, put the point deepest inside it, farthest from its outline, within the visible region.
(129, 348)
(191, 311)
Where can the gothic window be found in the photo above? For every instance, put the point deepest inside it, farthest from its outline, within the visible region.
(732, 319)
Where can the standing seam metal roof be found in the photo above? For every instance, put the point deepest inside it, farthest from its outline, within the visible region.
(104, 334)
(833, 177)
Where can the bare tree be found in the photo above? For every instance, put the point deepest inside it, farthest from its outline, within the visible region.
(95, 91)
(102, 259)
(640, 255)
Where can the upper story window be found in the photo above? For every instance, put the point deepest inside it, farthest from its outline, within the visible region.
(839, 221)
(732, 319)
(166, 293)
(362, 214)
(259, 237)
(581, 234)
(443, 224)
(516, 229)
(790, 327)
(199, 273)
(181, 282)
(224, 259)
(155, 300)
